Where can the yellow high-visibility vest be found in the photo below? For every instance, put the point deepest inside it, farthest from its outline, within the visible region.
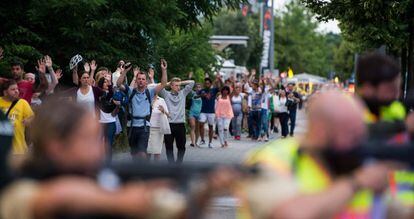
(282, 156)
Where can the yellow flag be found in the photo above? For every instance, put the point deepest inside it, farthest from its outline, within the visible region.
(310, 87)
(290, 73)
(336, 80)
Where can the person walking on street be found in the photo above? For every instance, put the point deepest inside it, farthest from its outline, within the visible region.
(237, 106)
(194, 115)
(274, 121)
(208, 96)
(280, 107)
(255, 107)
(292, 108)
(264, 124)
(20, 114)
(140, 99)
(175, 100)
(156, 138)
(108, 111)
(224, 114)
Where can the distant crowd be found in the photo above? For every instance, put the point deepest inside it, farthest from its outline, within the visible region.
(152, 112)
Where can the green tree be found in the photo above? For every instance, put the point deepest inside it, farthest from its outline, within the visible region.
(370, 24)
(299, 45)
(190, 50)
(234, 23)
(344, 59)
(105, 30)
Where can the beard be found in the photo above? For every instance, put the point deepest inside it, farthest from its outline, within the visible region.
(342, 163)
(374, 105)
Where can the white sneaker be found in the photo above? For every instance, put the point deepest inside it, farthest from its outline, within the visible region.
(209, 145)
(202, 142)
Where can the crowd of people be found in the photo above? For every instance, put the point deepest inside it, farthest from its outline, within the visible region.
(318, 173)
(154, 114)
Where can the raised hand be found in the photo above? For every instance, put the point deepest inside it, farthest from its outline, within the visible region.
(151, 73)
(190, 74)
(164, 64)
(41, 66)
(93, 65)
(136, 71)
(87, 67)
(253, 71)
(128, 68)
(58, 74)
(1, 53)
(48, 61)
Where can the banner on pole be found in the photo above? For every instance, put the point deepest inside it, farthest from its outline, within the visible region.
(267, 18)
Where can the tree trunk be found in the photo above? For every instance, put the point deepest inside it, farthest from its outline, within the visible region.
(410, 64)
(403, 59)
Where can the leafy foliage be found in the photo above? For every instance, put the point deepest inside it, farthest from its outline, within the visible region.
(106, 30)
(234, 23)
(299, 45)
(369, 24)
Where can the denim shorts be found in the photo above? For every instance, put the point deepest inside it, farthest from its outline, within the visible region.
(194, 115)
(138, 139)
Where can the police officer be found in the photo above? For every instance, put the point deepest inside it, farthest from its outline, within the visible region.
(304, 180)
(378, 84)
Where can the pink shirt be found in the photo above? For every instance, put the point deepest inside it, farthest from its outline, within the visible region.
(25, 90)
(223, 108)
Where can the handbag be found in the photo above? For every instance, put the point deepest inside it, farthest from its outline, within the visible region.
(164, 125)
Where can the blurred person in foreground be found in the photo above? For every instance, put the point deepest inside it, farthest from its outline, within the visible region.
(58, 181)
(378, 84)
(302, 177)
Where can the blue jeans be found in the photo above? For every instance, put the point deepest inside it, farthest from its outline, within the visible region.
(236, 124)
(264, 122)
(109, 130)
(255, 123)
(292, 118)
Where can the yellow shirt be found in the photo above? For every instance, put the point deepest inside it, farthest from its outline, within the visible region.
(20, 112)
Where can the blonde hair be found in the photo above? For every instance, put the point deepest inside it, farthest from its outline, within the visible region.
(175, 79)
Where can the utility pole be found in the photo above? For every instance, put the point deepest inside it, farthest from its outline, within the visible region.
(272, 39)
(261, 18)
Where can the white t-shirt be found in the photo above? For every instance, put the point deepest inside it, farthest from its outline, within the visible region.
(265, 100)
(280, 104)
(156, 113)
(106, 117)
(87, 100)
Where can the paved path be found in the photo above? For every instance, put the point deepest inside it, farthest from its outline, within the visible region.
(224, 207)
(235, 153)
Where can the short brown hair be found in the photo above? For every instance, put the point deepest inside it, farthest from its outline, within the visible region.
(7, 84)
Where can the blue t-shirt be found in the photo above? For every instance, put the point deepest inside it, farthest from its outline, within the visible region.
(141, 106)
(209, 101)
